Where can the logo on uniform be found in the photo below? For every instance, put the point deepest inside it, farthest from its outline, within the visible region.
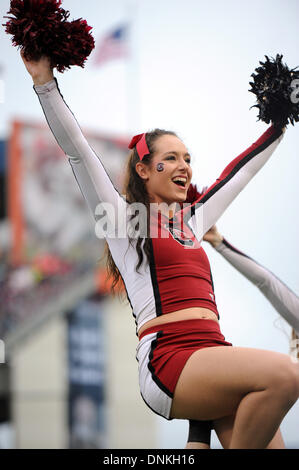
(182, 233)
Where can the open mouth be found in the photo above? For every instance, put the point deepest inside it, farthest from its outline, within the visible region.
(181, 182)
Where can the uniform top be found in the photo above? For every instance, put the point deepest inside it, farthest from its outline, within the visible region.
(178, 274)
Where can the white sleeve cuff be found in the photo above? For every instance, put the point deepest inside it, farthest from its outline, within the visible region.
(47, 87)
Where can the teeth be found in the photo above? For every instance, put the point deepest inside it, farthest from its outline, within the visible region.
(180, 179)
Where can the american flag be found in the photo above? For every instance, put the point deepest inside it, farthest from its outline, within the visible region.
(113, 46)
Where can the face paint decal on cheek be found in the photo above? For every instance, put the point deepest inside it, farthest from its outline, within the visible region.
(160, 167)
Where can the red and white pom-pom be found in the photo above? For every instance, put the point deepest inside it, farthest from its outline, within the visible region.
(193, 194)
(41, 27)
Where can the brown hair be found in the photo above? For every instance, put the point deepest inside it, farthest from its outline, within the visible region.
(135, 191)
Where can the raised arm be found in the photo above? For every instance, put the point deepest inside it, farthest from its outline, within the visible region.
(283, 299)
(211, 205)
(89, 172)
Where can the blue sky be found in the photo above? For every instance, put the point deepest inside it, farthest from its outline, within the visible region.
(189, 71)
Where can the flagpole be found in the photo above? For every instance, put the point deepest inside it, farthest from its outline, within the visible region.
(132, 73)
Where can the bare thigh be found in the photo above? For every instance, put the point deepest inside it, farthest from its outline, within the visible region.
(214, 380)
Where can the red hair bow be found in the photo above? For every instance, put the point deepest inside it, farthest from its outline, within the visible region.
(141, 145)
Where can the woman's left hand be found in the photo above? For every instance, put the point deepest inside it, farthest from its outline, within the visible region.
(213, 236)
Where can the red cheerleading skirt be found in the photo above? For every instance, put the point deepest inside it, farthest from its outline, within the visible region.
(174, 343)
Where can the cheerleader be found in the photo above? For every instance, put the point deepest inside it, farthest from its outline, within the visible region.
(187, 370)
(286, 303)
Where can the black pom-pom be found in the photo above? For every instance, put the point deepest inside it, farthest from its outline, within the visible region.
(41, 27)
(277, 93)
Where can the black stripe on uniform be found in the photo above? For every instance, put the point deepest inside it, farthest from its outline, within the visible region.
(159, 414)
(155, 281)
(232, 248)
(154, 344)
(236, 168)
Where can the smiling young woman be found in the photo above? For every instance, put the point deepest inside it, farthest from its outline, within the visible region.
(171, 184)
(186, 368)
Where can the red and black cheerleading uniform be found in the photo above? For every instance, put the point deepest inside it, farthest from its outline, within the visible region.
(178, 275)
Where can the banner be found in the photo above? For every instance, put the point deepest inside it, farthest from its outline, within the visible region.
(86, 366)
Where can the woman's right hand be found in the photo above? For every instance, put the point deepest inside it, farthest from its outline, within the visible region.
(213, 236)
(40, 71)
